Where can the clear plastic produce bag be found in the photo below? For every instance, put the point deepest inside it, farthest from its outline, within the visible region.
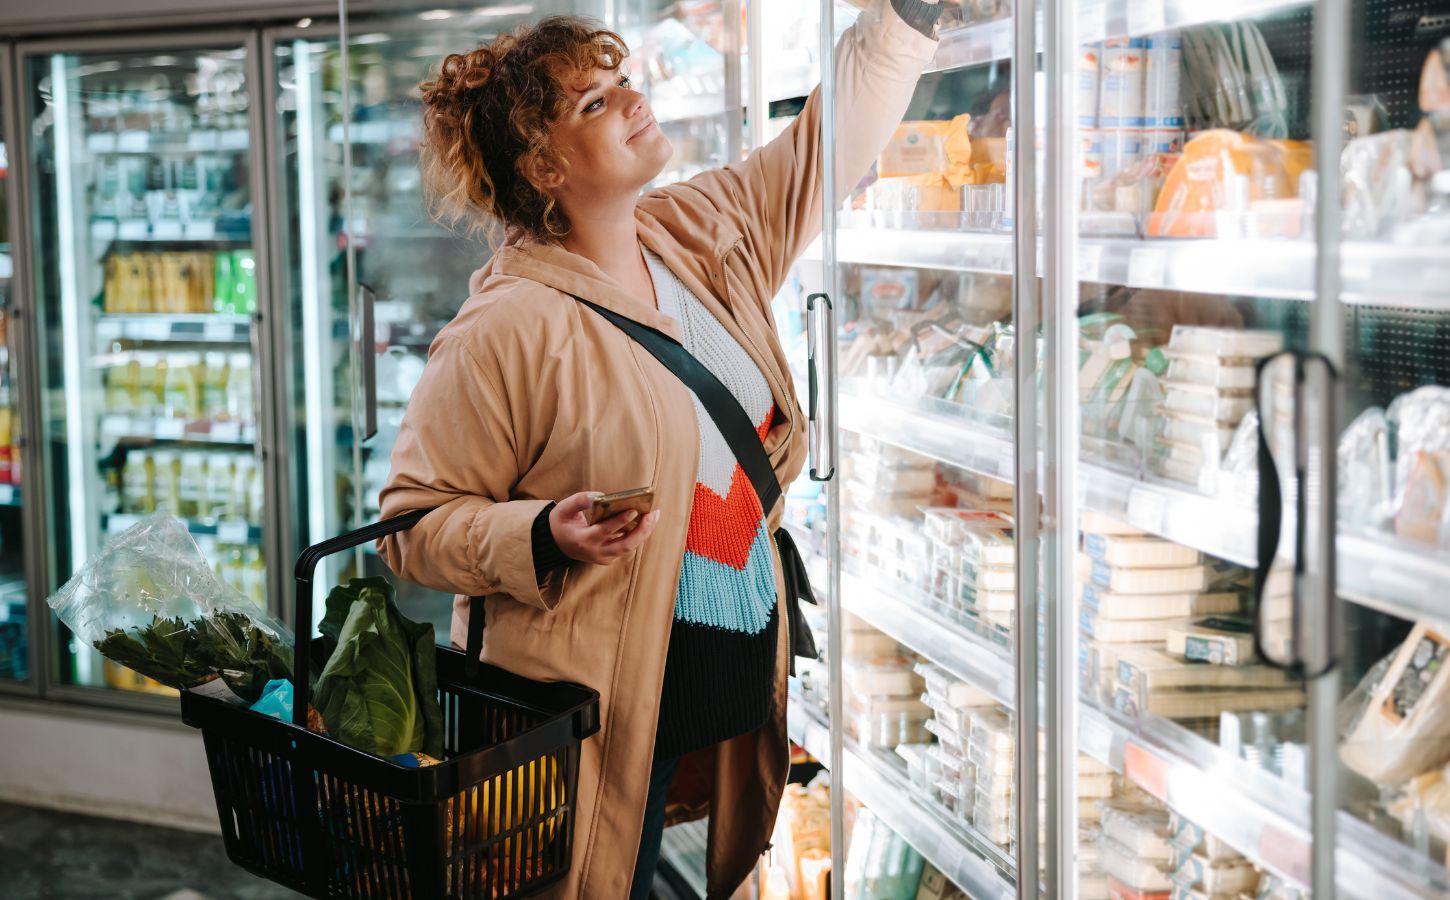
(149, 601)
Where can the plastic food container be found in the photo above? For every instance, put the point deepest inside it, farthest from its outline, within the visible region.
(950, 740)
(1223, 343)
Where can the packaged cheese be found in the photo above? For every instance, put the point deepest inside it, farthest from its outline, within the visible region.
(1194, 430)
(1201, 874)
(1189, 839)
(1126, 631)
(1138, 872)
(1142, 581)
(1207, 403)
(993, 730)
(1141, 833)
(1219, 640)
(1098, 523)
(1224, 343)
(880, 676)
(1209, 370)
(1225, 172)
(915, 148)
(1159, 606)
(868, 644)
(1404, 730)
(1204, 704)
(1150, 670)
(1138, 552)
(944, 687)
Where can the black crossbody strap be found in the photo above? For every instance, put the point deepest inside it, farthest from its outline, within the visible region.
(729, 416)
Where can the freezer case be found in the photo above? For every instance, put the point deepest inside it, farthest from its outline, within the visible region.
(140, 161)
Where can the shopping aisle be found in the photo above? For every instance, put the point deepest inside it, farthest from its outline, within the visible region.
(64, 856)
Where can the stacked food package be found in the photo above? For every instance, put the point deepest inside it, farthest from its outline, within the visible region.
(800, 864)
(1162, 632)
(1208, 391)
(935, 174)
(882, 691)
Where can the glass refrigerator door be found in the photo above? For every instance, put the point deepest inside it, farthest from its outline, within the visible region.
(1233, 766)
(686, 57)
(15, 667)
(934, 563)
(140, 170)
(410, 271)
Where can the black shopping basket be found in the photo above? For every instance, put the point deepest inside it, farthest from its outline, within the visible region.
(494, 819)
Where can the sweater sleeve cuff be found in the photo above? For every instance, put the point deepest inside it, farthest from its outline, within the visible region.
(918, 14)
(547, 555)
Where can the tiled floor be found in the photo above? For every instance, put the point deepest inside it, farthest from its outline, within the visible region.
(48, 855)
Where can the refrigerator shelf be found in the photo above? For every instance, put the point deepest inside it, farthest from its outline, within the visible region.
(380, 132)
(984, 42)
(137, 236)
(220, 328)
(230, 532)
(122, 428)
(1261, 815)
(1375, 274)
(1379, 570)
(965, 856)
(200, 140)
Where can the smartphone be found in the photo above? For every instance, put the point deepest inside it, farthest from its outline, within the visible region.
(641, 500)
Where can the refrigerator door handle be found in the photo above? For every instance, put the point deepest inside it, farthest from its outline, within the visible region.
(823, 462)
(365, 346)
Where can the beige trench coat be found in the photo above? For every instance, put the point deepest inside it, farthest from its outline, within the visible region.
(528, 397)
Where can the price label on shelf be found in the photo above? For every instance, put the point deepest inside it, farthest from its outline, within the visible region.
(1002, 39)
(1146, 267)
(232, 533)
(1096, 740)
(167, 231)
(219, 331)
(132, 230)
(1146, 17)
(1147, 770)
(133, 141)
(1147, 509)
(200, 231)
(226, 431)
(1089, 262)
(1286, 853)
(170, 429)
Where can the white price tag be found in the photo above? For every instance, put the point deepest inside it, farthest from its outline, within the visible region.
(167, 231)
(133, 141)
(100, 143)
(103, 230)
(170, 429)
(1146, 17)
(233, 139)
(1089, 262)
(1002, 39)
(226, 431)
(1146, 267)
(152, 330)
(132, 230)
(220, 331)
(231, 533)
(1096, 740)
(1147, 510)
(1092, 22)
(200, 231)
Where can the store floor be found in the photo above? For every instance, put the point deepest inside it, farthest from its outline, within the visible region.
(47, 855)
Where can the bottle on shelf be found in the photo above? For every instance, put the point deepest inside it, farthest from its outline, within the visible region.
(239, 388)
(214, 386)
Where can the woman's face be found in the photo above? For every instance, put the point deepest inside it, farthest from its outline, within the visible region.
(609, 140)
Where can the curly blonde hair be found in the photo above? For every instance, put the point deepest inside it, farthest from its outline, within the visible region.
(486, 121)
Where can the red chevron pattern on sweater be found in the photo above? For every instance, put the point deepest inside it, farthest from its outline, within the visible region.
(724, 528)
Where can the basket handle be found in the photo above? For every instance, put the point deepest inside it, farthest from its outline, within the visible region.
(306, 568)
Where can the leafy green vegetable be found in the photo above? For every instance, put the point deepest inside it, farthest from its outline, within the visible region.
(379, 689)
(184, 654)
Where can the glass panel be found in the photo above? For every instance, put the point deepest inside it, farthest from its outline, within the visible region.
(417, 270)
(14, 616)
(146, 286)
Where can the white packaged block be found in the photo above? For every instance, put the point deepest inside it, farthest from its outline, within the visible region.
(1223, 343)
(1159, 606)
(1201, 874)
(1182, 579)
(868, 644)
(1206, 403)
(943, 685)
(1131, 551)
(1141, 833)
(880, 676)
(1219, 640)
(1126, 631)
(1205, 704)
(1098, 523)
(1210, 371)
(1193, 431)
(1141, 873)
(1151, 669)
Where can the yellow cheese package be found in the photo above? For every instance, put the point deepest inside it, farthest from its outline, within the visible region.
(1403, 729)
(1219, 640)
(1222, 171)
(915, 148)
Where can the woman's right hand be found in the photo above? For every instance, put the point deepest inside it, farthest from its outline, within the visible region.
(604, 541)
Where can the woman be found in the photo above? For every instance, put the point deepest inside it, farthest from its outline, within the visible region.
(531, 403)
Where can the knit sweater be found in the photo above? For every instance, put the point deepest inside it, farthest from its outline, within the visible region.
(721, 661)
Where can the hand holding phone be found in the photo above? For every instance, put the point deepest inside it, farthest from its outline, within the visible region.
(622, 523)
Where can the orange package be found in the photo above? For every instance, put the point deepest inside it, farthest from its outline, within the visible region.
(1224, 171)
